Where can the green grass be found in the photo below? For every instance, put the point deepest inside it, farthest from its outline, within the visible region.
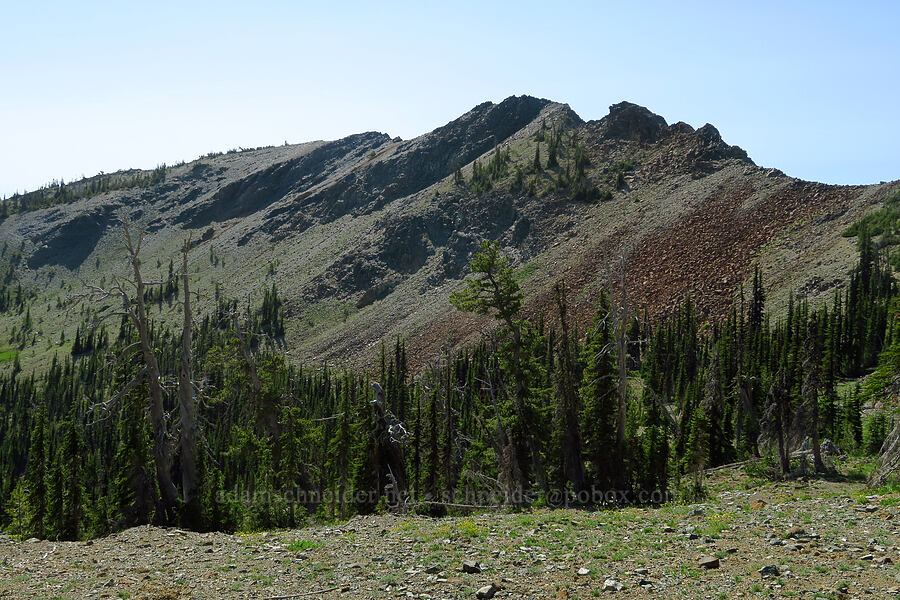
(8, 355)
(524, 272)
(303, 545)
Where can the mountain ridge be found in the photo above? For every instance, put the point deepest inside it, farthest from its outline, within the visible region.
(366, 236)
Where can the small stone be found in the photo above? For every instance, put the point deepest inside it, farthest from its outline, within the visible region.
(867, 557)
(757, 505)
(611, 585)
(883, 560)
(433, 570)
(584, 571)
(487, 591)
(709, 562)
(641, 571)
(668, 529)
(769, 571)
(795, 531)
(471, 566)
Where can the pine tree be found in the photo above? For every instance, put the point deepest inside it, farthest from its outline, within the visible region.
(599, 397)
(492, 289)
(38, 458)
(696, 456)
(134, 494)
(757, 302)
(55, 498)
(567, 392)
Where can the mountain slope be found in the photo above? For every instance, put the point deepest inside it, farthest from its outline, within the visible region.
(366, 236)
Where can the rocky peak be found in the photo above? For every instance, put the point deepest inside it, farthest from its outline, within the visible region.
(632, 122)
(709, 146)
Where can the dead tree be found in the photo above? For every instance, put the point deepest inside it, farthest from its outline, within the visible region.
(777, 417)
(190, 430)
(131, 293)
(388, 435)
(617, 320)
(509, 473)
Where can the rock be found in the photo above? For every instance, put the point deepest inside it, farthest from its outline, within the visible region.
(829, 447)
(32, 540)
(795, 531)
(584, 571)
(867, 557)
(883, 560)
(668, 529)
(471, 566)
(757, 505)
(769, 571)
(641, 571)
(708, 562)
(435, 570)
(487, 591)
(611, 585)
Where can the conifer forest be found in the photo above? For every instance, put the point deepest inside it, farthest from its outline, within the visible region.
(209, 426)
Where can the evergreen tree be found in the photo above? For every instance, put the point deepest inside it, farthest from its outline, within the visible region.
(38, 455)
(599, 396)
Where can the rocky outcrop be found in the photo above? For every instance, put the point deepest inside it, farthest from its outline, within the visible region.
(627, 121)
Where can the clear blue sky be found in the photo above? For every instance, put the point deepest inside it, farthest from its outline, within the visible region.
(809, 87)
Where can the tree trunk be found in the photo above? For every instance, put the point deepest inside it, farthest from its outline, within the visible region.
(510, 475)
(162, 454)
(187, 403)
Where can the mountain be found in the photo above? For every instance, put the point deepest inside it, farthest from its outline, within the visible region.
(366, 236)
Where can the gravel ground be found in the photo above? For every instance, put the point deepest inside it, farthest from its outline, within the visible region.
(824, 539)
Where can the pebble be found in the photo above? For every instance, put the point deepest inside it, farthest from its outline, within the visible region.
(487, 591)
(471, 566)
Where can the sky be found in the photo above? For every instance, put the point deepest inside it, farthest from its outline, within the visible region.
(811, 88)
